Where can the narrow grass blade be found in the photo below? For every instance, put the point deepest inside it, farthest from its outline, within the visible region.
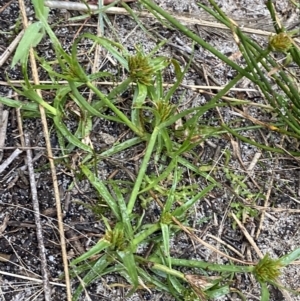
(187, 205)
(138, 100)
(170, 200)
(144, 234)
(123, 211)
(153, 280)
(86, 106)
(19, 104)
(289, 258)
(111, 46)
(127, 258)
(118, 90)
(103, 191)
(166, 243)
(161, 177)
(190, 166)
(120, 147)
(265, 295)
(32, 36)
(142, 170)
(218, 293)
(96, 249)
(32, 95)
(69, 136)
(118, 112)
(94, 272)
(204, 265)
(252, 142)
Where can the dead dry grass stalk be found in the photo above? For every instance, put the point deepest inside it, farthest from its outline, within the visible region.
(51, 161)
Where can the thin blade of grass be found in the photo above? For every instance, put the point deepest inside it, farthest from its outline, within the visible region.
(94, 272)
(166, 243)
(32, 36)
(130, 265)
(187, 205)
(69, 136)
(138, 100)
(142, 171)
(289, 258)
(123, 211)
(265, 295)
(96, 249)
(103, 191)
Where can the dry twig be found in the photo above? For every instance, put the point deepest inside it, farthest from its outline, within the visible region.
(11, 158)
(51, 161)
(8, 51)
(39, 229)
(248, 236)
(3, 128)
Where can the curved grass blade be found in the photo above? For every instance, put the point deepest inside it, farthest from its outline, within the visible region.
(94, 272)
(69, 136)
(96, 249)
(103, 191)
(289, 258)
(32, 36)
(183, 208)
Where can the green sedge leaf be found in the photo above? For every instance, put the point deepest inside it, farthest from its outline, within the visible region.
(287, 259)
(103, 191)
(32, 36)
(96, 249)
(265, 295)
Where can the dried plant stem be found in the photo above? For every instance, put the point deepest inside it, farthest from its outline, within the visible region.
(7, 162)
(9, 50)
(201, 20)
(39, 229)
(3, 128)
(51, 161)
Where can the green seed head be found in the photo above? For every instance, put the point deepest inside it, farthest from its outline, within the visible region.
(267, 269)
(165, 109)
(280, 42)
(140, 69)
(166, 218)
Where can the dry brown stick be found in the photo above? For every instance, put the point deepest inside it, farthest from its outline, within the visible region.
(39, 229)
(253, 162)
(3, 128)
(266, 203)
(248, 236)
(5, 6)
(186, 19)
(7, 162)
(5, 55)
(29, 278)
(226, 245)
(4, 224)
(51, 161)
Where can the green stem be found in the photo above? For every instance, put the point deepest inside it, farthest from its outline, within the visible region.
(142, 171)
(145, 234)
(169, 271)
(121, 115)
(205, 265)
(247, 140)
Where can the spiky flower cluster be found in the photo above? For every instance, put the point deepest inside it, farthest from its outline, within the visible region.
(267, 269)
(140, 69)
(280, 42)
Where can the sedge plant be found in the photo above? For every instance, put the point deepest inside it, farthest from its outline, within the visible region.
(157, 122)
